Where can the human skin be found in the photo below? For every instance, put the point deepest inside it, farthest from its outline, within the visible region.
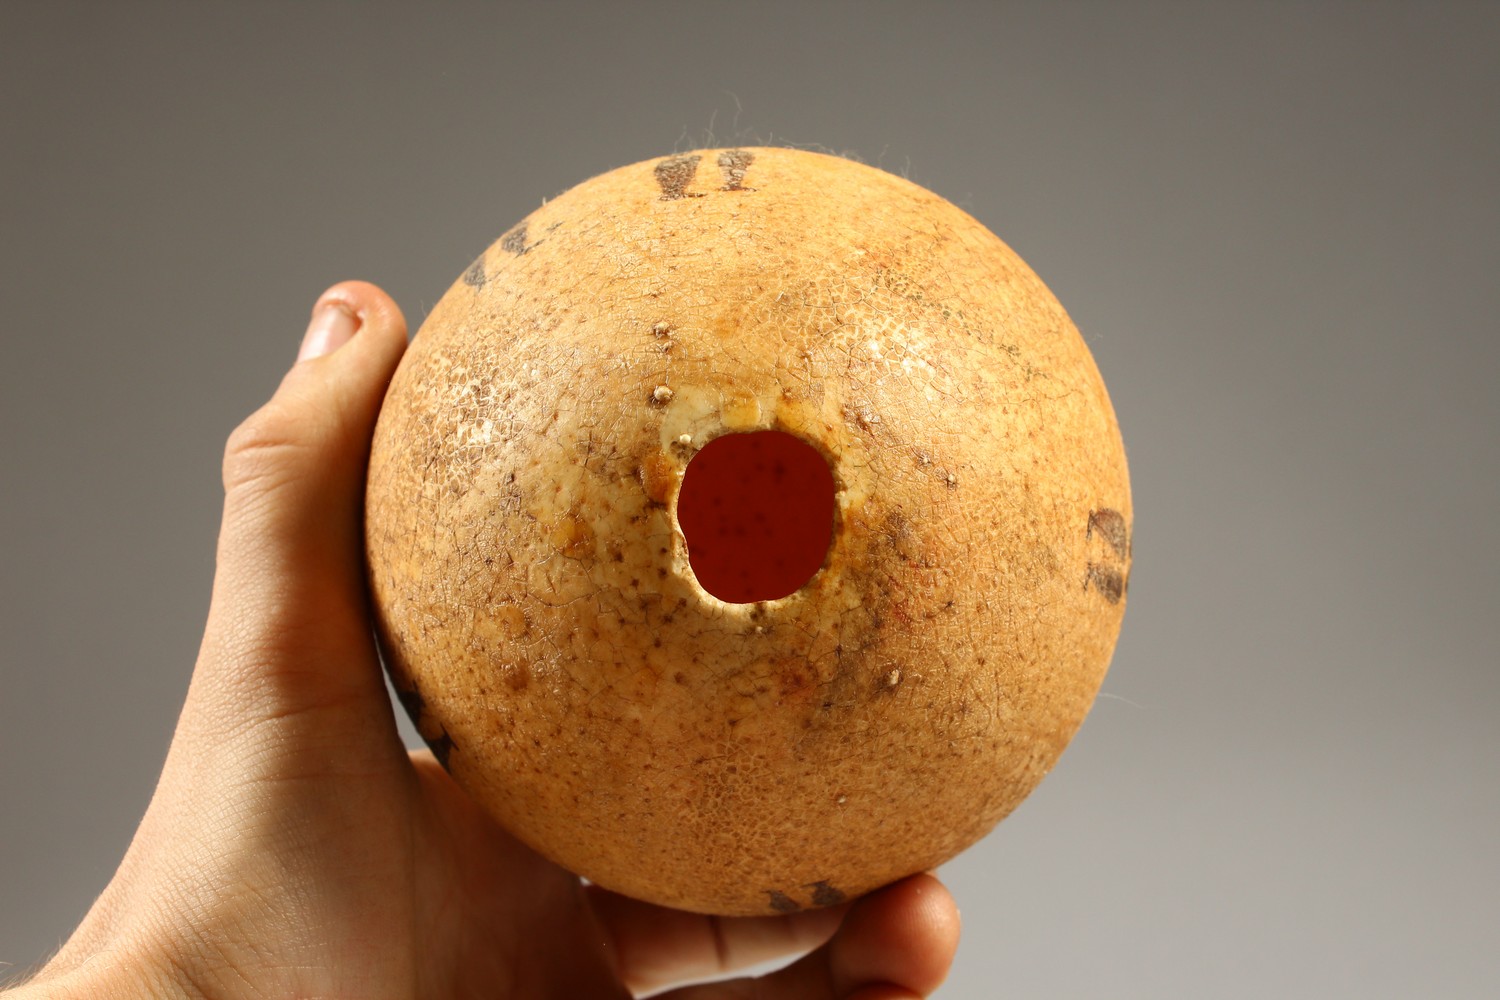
(295, 848)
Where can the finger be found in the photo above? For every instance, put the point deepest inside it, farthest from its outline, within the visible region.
(288, 627)
(898, 942)
(656, 946)
(905, 935)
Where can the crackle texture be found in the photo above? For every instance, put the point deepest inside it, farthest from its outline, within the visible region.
(534, 596)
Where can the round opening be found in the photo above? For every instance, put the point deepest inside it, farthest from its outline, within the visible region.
(757, 512)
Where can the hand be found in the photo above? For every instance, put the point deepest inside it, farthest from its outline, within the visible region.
(294, 848)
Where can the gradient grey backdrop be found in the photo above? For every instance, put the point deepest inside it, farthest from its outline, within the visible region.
(1276, 224)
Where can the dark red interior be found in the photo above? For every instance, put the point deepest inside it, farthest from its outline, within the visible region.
(757, 512)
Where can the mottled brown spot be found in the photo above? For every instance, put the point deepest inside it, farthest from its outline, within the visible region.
(733, 163)
(782, 903)
(411, 700)
(674, 174)
(1110, 525)
(475, 275)
(515, 241)
(1108, 580)
(826, 895)
(442, 748)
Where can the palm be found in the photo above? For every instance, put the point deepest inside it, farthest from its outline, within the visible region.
(495, 919)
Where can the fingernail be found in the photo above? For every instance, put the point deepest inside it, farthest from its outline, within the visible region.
(331, 327)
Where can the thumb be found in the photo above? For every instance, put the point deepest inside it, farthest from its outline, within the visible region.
(288, 629)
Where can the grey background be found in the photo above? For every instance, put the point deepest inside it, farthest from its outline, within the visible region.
(1276, 225)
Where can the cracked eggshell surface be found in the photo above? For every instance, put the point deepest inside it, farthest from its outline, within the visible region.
(536, 606)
